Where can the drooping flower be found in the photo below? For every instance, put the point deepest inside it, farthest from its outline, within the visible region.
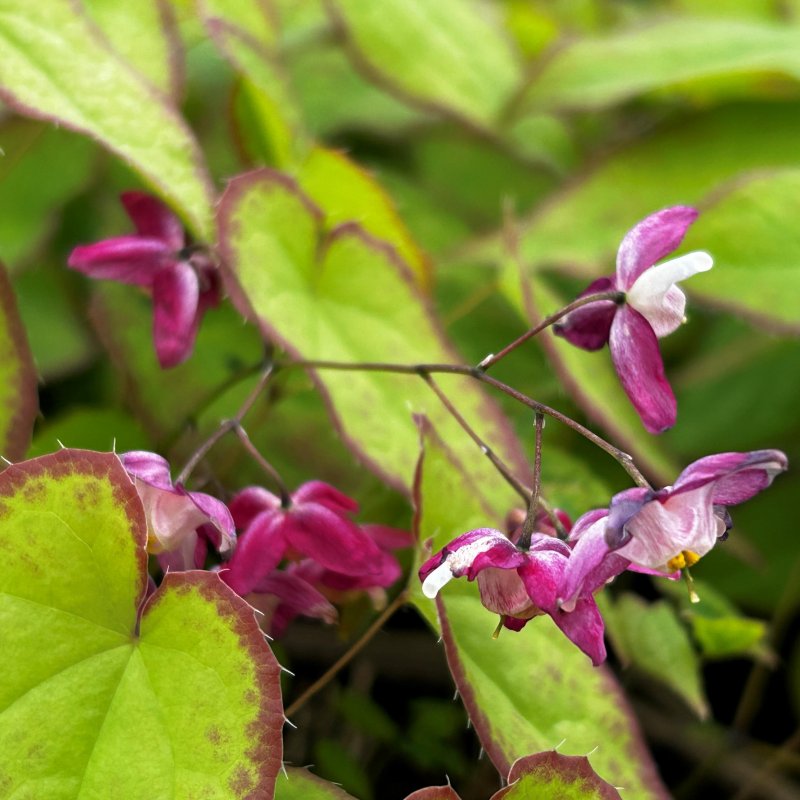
(665, 531)
(306, 588)
(518, 584)
(653, 308)
(182, 280)
(180, 524)
(315, 524)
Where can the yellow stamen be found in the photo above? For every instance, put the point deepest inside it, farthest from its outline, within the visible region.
(498, 628)
(693, 596)
(684, 559)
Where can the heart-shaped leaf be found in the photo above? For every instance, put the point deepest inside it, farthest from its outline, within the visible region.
(109, 694)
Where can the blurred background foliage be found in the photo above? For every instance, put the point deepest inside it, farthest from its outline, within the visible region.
(462, 133)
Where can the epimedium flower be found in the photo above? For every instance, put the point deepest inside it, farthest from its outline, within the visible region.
(518, 584)
(653, 307)
(180, 524)
(306, 588)
(665, 531)
(182, 281)
(314, 522)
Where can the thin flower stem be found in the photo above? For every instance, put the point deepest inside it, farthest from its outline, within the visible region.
(613, 295)
(624, 459)
(262, 462)
(348, 655)
(499, 465)
(529, 525)
(226, 426)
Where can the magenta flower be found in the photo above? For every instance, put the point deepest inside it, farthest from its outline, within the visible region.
(518, 584)
(653, 308)
(183, 281)
(665, 531)
(180, 524)
(316, 524)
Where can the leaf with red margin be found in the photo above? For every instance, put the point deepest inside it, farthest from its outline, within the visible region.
(110, 695)
(52, 61)
(347, 297)
(551, 776)
(434, 793)
(19, 402)
(527, 691)
(300, 784)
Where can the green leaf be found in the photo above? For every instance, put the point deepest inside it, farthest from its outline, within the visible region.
(50, 64)
(591, 380)
(571, 702)
(552, 776)
(669, 54)
(145, 35)
(41, 169)
(581, 227)
(651, 638)
(347, 298)
(299, 784)
(346, 192)
(165, 401)
(250, 16)
(19, 403)
(459, 62)
(718, 626)
(181, 700)
(752, 232)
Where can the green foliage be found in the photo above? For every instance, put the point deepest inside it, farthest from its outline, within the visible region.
(347, 297)
(55, 78)
(651, 638)
(108, 691)
(300, 784)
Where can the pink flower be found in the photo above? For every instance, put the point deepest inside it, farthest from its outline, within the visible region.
(180, 524)
(665, 531)
(653, 308)
(316, 524)
(182, 280)
(518, 584)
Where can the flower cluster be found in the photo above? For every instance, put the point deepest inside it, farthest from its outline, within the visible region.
(330, 557)
(183, 281)
(659, 532)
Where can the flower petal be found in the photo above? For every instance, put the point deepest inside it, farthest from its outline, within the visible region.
(175, 317)
(128, 259)
(503, 592)
(153, 219)
(218, 518)
(736, 476)
(656, 297)
(651, 240)
(584, 627)
(467, 555)
(326, 495)
(148, 467)
(588, 326)
(634, 350)
(662, 529)
(331, 540)
(172, 517)
(259, 551)
(247, 504)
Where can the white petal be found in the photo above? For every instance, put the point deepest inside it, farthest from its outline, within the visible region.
(655, 296)
(436, 579)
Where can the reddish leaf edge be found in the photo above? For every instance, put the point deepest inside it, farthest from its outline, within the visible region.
(26, 408)
(506, 442)
(266, 730)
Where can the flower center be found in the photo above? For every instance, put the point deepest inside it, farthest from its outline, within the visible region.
(684, 559)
